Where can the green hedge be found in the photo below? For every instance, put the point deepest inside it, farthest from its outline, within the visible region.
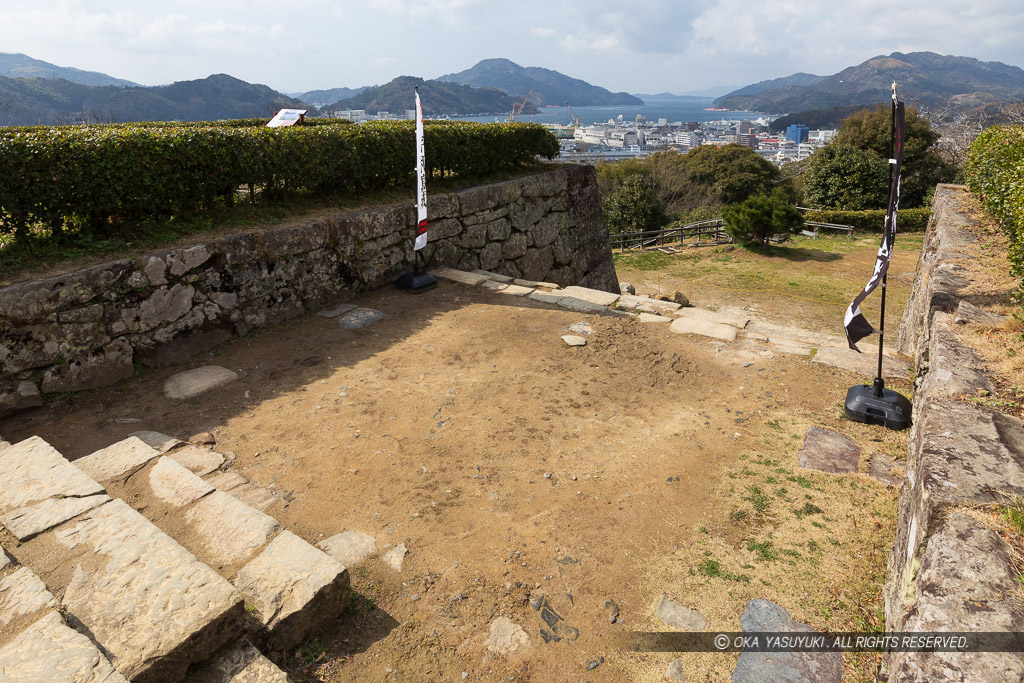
(99, 176)
(873, 220)
(995, 173)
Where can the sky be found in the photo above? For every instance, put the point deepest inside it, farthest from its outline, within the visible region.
(637, 46)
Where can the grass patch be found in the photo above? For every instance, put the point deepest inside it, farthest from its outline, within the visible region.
(758, 499)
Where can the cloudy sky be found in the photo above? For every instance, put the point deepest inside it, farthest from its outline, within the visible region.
(632, 45)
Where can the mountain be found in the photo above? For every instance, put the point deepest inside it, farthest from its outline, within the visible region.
(27, 101)
(924, 77)
(437, 97)
(796, 79)
(22, 66)
(678, 98)
(319, 98)
(549, 87)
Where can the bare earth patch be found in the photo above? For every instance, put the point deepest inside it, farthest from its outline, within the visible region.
(511, 466)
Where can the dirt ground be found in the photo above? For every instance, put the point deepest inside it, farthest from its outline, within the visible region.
(645, 463)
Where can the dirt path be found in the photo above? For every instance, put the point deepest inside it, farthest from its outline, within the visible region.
(509, 464)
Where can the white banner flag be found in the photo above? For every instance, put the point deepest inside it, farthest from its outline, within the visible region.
(421, 181)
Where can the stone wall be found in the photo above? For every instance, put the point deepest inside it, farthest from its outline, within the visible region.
(947, 571)
(89, 328)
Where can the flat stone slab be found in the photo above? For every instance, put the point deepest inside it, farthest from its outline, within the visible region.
(793, 348)
(157, 441)
(725, 317)
(704, 328)
(199, 461)
(31, 520)
(494, 286)
(226, 481)
(506, 637)
(360, 318)
(22, 593)
(880, 468)
(594, 296)
(580, 306)
(141, 595)
(295, 588)
(654, 318)
(863, 363)
(231, 530)
(630, 302)
(113, 461)
(581, 328)
(534, 284)
(172, 483)
(50, 652)
(335, 311)
(574, 340)
(32, 471)
(4, 560)
(254, 496)
(192, 383)
(517, 290)
(679, 616)
(349, 547)
(828, 451)
(496, 277)
(966, 312)
(395, 557)
(460, 276)
(242, 663)
(792, 667)
(545, 297)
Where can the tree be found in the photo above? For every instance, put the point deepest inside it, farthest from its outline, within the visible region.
(732, 172)
(633, 207)
(759, 218)
(923, 165)
(843, 177)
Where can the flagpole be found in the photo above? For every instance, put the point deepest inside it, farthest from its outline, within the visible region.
(416, 281)
(879, 381)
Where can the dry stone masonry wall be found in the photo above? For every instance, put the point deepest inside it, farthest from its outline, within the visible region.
(89, 328)
(947, 571)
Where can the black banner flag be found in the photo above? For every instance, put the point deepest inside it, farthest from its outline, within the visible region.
(857, 326)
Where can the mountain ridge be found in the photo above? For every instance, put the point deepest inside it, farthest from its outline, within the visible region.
(438, 97)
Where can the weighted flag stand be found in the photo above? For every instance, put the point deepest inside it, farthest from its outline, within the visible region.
(874, 404)
(416, 281)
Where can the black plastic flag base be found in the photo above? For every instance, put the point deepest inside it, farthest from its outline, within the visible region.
(878, 406)
(416, 282)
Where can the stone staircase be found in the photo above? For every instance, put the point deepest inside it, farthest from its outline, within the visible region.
(127, 565)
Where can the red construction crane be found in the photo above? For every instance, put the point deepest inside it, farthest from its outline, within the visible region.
(573, 118)
(516, 111)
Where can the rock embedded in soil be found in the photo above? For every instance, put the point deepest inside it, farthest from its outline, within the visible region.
(679, 616)
(795, 667)
(574, 340)
(360, 318)
(335, 311)
(674, 672)
(828, 451)
(395, 557)
(349, 547)
(192, 383)
(506, 637)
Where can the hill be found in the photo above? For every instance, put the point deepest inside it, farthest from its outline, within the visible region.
(22, 66)
(319, 98)
(28, 101)
(549, 87)
(929, 78)
(437, 98)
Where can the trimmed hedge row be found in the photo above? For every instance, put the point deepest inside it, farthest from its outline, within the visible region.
(873, 220)
(97, 176)
(995, 173)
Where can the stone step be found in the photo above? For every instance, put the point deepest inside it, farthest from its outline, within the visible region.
(294, 587)
(241, 663)
(149, 604)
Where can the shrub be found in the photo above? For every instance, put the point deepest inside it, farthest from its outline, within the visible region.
(995, 173)
(873, 220)
(759, 218)
(98, 176)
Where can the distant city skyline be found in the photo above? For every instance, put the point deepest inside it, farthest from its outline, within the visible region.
(650, 47)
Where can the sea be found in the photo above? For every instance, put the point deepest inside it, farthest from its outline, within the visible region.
(672, 110)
